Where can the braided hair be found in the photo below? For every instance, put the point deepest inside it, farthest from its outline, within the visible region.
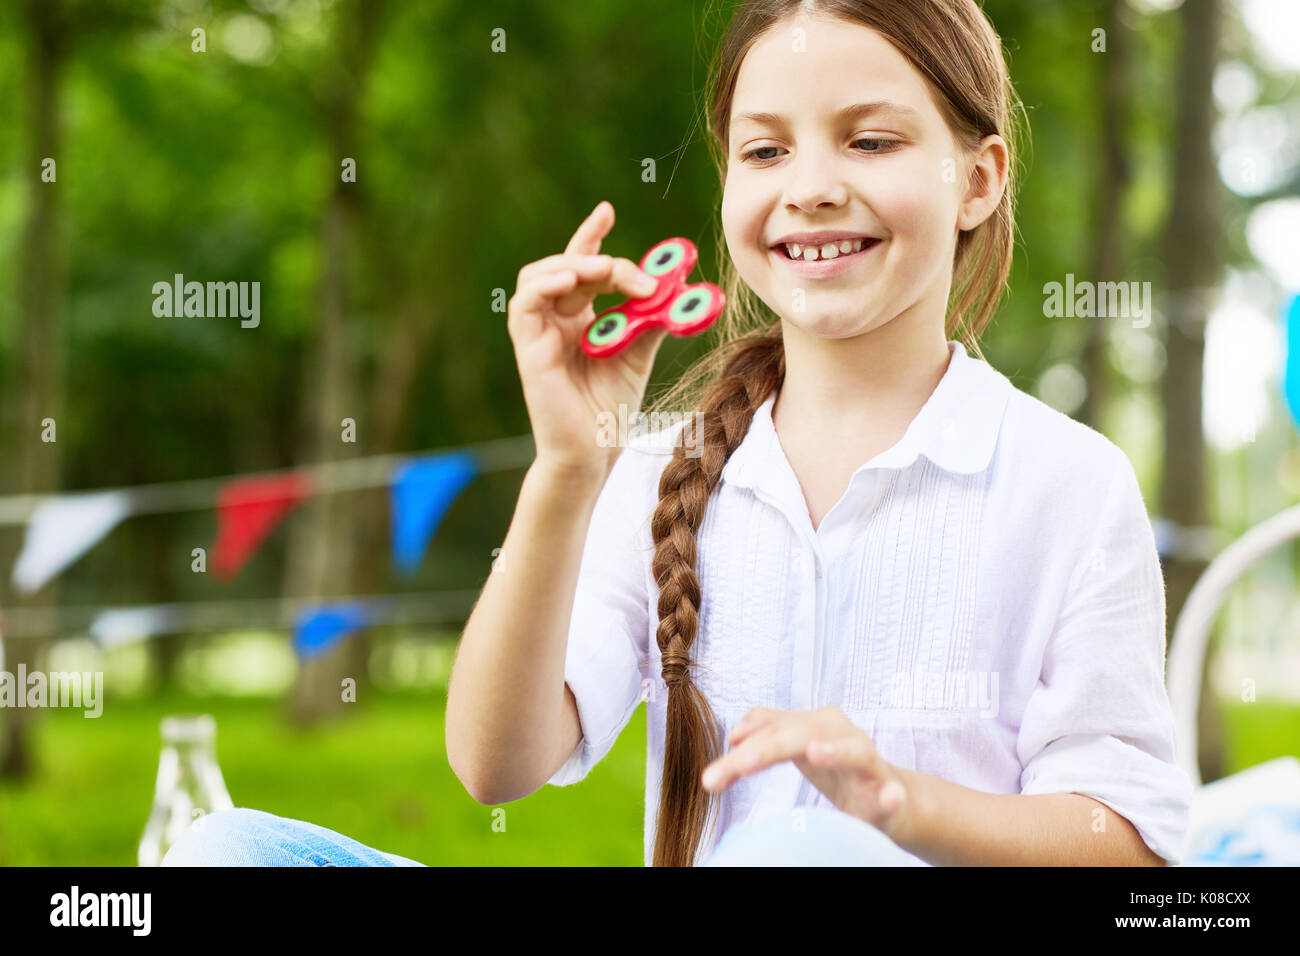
(693, 736)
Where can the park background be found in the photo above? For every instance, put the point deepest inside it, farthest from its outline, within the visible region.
(1171, 156)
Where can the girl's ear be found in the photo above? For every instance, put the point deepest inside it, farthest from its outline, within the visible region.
(987, 182)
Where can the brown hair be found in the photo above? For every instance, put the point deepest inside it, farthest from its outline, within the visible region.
(953, 45)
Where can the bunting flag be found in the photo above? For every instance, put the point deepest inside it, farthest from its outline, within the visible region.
(61, 529)
(247, 510)
(122, 625)
(319, 629)
(1291, 383)
(422, 491)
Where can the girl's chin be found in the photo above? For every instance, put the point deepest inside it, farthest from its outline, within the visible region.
(826, 326)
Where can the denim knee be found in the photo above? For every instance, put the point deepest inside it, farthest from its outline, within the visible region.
(240, 836)
(808, 836)
(247, 837)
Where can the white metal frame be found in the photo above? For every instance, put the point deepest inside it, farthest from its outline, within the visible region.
(1185, 667)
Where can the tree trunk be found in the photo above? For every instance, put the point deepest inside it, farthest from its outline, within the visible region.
(324, 543)
(1193, 262)
(37, 382)
(1108, 254)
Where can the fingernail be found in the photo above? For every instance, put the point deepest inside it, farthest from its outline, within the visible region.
(645, 284)
(710, 776)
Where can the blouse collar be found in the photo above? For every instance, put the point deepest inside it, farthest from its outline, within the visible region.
(956, 428)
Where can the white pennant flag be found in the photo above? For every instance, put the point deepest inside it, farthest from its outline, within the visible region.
(62, 529)
(125, 624)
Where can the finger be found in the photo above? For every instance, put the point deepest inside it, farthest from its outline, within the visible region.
(755, 718)
(593, 229)
(782, 740)
(618, 275)
(525, 316)
(559, 261)
(850, 752)
(581, 267)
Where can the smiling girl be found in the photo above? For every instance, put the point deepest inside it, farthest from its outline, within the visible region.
(892, 609)
(884, 608)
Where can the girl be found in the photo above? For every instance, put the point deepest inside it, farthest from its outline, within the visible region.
(872, 578)
(883, 607)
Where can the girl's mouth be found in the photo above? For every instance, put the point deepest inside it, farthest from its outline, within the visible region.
(820, 268)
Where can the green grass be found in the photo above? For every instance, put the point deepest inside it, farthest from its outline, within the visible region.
(1259, 731)
(379, 775)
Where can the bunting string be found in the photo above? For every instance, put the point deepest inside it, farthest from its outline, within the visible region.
(109, 625)
(502, 454)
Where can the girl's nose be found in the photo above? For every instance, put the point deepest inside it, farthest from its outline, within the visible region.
(815, 181)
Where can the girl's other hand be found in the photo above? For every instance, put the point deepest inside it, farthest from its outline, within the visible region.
(837, 757)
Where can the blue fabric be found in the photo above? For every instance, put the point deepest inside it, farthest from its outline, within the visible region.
(320, 629)
(248, 837)
(1269, 835)
(422, 490)
(1291, 380)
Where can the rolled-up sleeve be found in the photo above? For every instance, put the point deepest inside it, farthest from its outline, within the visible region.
(606, 660)
(1098, 722)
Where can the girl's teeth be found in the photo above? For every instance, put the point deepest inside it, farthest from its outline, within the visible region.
(830, 250)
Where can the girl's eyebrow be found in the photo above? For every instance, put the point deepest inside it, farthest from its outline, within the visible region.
(853, 111)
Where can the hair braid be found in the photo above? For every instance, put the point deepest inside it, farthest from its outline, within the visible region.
(693, 737)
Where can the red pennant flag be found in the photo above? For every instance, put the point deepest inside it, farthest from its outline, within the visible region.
(247, 510)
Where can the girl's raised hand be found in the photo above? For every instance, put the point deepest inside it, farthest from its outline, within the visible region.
(565, 390)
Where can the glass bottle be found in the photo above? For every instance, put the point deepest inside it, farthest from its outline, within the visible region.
(189, 784)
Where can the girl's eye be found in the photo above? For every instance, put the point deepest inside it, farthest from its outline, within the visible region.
(884, 144)
(880, 146)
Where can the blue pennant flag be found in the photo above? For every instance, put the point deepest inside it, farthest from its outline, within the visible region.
(1291, 383)
(319, 629)
(422, 491)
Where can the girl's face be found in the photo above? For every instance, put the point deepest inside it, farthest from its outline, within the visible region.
(813, 164)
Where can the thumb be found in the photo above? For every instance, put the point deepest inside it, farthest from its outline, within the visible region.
(892, 796)
(641, 353)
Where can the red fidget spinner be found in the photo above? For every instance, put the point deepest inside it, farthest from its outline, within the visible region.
(680, 308)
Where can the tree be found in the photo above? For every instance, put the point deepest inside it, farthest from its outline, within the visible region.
(37, 385)
(1192, 256)
(322, 558)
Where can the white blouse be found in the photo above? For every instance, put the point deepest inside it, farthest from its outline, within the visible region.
(985, 601)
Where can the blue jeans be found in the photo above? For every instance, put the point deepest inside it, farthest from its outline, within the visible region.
(805, 836)
(247, 837)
